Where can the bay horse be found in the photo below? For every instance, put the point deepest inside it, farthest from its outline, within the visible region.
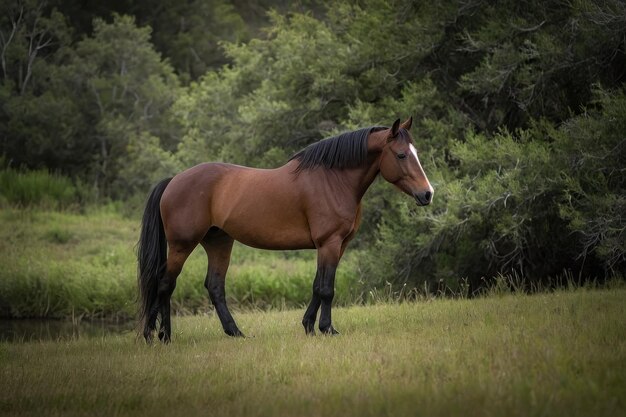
(311, 202)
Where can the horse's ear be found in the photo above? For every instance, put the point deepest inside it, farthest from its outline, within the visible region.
(407, 124)
(394, 130)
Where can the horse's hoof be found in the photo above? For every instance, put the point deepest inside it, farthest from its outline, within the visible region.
(234, 332)
(330, 331)
(164, 337)
(309, 328)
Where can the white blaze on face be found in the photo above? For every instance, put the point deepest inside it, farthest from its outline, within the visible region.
(414, 152)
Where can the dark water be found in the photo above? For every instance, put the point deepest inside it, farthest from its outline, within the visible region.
(41, 330)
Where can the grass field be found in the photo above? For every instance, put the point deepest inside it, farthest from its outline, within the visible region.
(558, 354)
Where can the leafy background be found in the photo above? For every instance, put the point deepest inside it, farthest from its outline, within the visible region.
(519, 108)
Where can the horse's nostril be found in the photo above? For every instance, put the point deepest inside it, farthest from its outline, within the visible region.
(428, 195)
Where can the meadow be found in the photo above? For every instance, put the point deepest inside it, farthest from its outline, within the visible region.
(557, 354)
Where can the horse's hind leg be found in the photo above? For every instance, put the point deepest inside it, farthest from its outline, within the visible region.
(177, 255)
(218, 246)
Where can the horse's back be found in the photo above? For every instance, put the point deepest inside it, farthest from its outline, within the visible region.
(258, 207)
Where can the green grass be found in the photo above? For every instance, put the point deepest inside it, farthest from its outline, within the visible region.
(38, 188)
(66, 264)
(559, 354)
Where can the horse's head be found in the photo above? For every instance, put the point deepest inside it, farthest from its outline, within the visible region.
(400, 165)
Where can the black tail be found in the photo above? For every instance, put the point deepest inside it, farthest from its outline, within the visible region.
(151, 254)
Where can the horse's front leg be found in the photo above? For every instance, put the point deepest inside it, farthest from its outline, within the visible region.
(328, 256)
(327, 293)
(310, 315)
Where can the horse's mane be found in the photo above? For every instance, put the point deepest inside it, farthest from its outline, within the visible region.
(347, 150)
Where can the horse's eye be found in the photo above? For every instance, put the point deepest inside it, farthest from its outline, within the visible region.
(401, 156)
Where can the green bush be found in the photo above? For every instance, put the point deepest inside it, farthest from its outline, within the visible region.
(537, 203)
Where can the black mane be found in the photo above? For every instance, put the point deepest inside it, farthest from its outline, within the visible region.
(347, 150)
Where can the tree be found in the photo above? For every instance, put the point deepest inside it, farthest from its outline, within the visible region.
(124, 88)
(76, 107)
(190, 33)
(279, 95)
(31, 46)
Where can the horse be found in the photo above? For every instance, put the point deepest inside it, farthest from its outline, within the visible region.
(311, 202)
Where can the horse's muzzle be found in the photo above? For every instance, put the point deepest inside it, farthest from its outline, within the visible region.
(423, 198)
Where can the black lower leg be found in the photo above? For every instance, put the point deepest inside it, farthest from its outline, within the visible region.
(150, 325)
(308, 321)
(214, 283)
(310, 315)
(166, 288)
(165, 330)
(326, 294)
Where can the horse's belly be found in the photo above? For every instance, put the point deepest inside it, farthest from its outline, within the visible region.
(273, 237)
(262, 209)
(275, 244)
(268, 227)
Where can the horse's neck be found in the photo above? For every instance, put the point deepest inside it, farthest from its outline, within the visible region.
(375, 144)
(359, 179)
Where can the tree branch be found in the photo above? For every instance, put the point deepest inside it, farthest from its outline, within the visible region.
(37, 41)
(5, 44)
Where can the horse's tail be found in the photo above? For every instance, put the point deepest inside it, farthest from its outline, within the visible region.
(151, 254)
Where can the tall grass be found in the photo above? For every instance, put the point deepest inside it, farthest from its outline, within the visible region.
(66, 264)
(38, 188)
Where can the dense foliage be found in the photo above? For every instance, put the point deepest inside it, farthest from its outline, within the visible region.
(520, 114)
